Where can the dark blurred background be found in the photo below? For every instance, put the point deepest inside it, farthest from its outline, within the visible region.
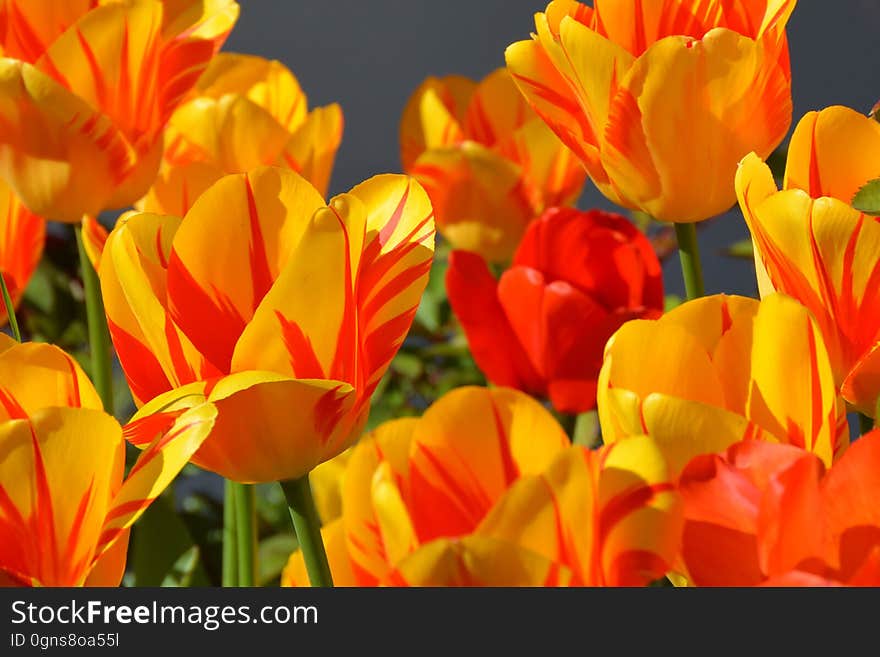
(370, 55)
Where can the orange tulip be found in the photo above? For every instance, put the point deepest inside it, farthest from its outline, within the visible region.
(21, 245)
(487, 161)
(228, 311)
(661, 100)
(719, 370)
(771, 514)
(65, 506)
(485, 490)
(811, 244)
(244, 112)
(86, 89)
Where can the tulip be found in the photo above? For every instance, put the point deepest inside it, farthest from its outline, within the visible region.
(487, 161)
(485, 490)
(661, 100)
(226, 311)
(65, 506)
(412, 482)
(811, 244)
(612, 517)
(575, 279)
(768, 514)
(87, 89)
(244, 112)
(22, 234)
(719, 370)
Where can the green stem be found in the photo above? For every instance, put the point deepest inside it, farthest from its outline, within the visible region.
(99, 336)
(308, 530)
(245, 532)
(866, 424)
(230, 561)
(10, 309)
(691, 267)
(586, 430)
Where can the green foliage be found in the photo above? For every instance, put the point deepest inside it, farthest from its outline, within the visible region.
(742, 250)
(867, 199)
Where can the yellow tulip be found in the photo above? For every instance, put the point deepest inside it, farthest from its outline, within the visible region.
(86, 89)
(811, 244)
(286, 314)
(65, 506)
(244, 112)
(660, 100)
(719, 370)
(489, 164)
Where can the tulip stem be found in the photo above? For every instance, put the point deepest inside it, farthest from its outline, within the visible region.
(230, 558)
(866, 424)
(308, 530)
(10, 309)
(244, 503)
(99, 336)
(691, 267)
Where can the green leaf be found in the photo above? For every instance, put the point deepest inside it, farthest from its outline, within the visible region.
(742, 250)
(184, 569)
(586, 430)
(160, 542)
(273, 555)
(867, 199)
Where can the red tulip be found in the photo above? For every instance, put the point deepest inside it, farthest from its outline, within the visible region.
(575, 279)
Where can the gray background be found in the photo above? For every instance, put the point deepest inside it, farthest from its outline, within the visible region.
(369, 55)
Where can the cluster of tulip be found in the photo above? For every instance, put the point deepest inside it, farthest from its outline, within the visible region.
(255, 322)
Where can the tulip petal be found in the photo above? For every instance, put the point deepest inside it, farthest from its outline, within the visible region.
(266, 83)
(365, 532)
(793, 392)
(22, 234)
(552, 173)
(730, 93)
(433, 116)
(60, 470)
(473, 295)
(61, 157)
(459, 470)
(233, 132)
(154, 353)
(849, 490)
(30, 26)
(833, 153)
(158, 465)
(477, 561)
(863, 382)
(215, 286)
(495, 110)
(478, 197)
(36, 376)
(253, 439)
(177, 187)
(312, 147)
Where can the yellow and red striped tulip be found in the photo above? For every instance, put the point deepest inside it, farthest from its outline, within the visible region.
(65, 506)
(612, 517)
(487, 161)
(412, 481)
(485, 490)
(86, 92)
(622, 82)
(773, 515)
(719, 370)
(285, 314)
(811, 244)
(22, 234)
(244, 112)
